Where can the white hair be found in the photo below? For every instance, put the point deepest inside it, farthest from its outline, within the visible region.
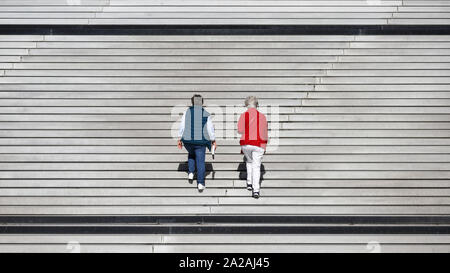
(251, 101)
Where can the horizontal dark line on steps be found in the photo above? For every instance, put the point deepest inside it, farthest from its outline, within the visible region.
(214, 219)
(224, 29)
(227, 229)
(236, 224)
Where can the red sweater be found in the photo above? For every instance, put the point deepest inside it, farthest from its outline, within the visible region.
(252, 126)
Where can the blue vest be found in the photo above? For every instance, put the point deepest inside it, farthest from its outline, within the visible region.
(195, 130)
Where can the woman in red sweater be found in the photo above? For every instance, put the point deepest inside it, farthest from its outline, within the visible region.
(252, 126)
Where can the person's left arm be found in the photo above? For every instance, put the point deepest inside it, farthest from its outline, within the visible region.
(181, 131)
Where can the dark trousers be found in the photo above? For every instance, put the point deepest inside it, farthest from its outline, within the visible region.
(196, 158)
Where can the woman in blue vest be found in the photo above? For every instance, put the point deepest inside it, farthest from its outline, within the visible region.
(196, 133)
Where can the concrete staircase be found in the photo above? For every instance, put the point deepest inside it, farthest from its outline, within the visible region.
(86, 125)
(153, 12)
(254, 234)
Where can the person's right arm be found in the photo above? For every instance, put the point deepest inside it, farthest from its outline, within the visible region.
(264, 132)
(211, 132)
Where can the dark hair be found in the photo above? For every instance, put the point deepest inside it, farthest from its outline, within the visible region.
(195, 98)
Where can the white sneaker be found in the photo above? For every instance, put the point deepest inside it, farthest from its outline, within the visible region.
(201, 187)
(191, 177)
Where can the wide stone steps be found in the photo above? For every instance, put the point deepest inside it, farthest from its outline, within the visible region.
(358, 159)
(197, 12)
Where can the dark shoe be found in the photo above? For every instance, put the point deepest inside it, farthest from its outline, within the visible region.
(249, 187)
(256, 195)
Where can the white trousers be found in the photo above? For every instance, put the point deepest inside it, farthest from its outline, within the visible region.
(253, 155)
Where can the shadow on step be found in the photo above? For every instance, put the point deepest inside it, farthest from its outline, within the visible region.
(242, 168)
(183, 167)
(210, 172)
